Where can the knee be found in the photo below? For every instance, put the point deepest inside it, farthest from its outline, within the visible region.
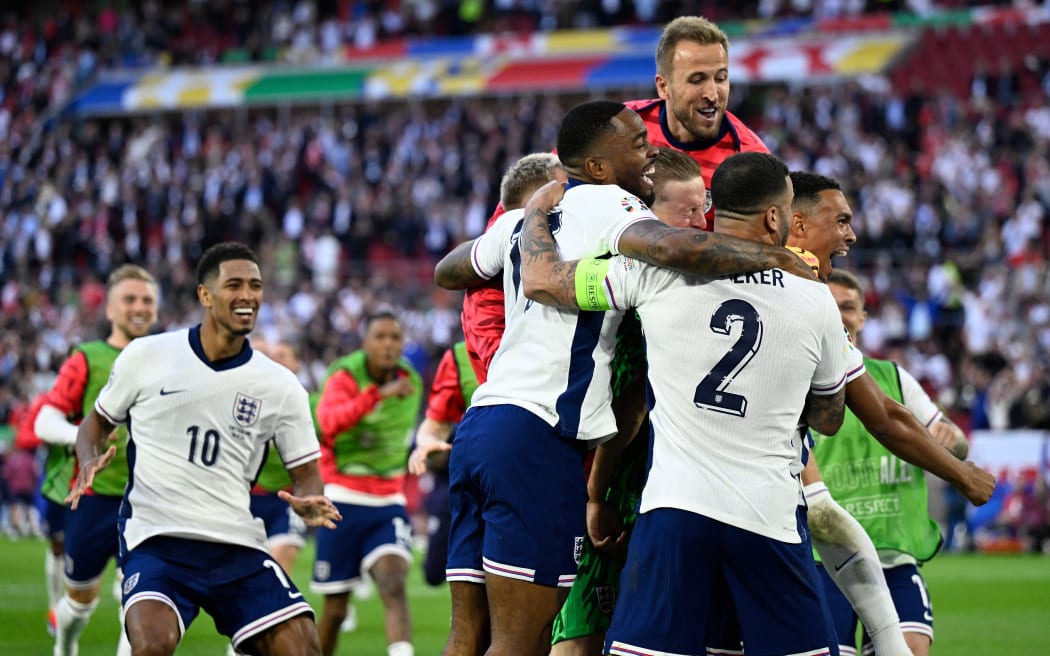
(160, 643)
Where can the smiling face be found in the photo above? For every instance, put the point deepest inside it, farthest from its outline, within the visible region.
(627, 154)
(131, 307)
(696, 89)
(234, 296)
(825, 228)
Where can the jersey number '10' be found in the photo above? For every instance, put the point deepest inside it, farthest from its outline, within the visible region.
(206, 447)
(710, 393)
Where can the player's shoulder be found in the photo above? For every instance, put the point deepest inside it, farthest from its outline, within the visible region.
(749, 141)
(645, 106)
(159, 342)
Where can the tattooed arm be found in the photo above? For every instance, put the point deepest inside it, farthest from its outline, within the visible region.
(548, 279)
(709, 254)
(455, 270)
(825, 412)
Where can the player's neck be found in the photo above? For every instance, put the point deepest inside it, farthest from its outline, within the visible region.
(380, 376)
(219, 343)
(118, 340)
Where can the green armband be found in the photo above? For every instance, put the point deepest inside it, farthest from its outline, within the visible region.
(590, 285)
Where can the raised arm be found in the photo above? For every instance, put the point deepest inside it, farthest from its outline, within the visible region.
(548, 279)
(897, 428)
(455, 270)
(92, 454)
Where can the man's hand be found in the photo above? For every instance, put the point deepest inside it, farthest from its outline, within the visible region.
(979, 486)
(315, 509)
(605, 528)
(547, 196)
(417, 460)
(86, 476)
(400, 387)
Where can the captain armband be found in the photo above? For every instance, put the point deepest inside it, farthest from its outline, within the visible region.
(590, 285)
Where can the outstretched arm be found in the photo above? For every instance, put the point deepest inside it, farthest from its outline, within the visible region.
(307, 499)
(548, 279)
(825, 412)
(897, 428)
(92, 454)
(455, 270)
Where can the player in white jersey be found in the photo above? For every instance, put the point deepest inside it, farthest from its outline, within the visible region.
(200, 406)
(721, 501)
(521, 540)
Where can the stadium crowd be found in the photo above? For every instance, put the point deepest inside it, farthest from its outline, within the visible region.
(351, 205)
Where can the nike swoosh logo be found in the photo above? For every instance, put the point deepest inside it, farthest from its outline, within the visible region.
(294, 595)
(164, 392)
(853, 556)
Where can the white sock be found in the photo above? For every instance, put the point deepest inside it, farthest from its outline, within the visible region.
(72, 618)
(402, 648)
(851, 560)
(56, 578)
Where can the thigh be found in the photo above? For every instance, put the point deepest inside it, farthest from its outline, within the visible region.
(777, 592)
(249, 594)
(91, 539)
(466, 501)
(521, 614)
(294, 637)
(337, 563)
(666, 585)
(535, 500)
(55, 515)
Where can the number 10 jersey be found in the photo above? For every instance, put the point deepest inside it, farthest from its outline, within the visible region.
(198, 434)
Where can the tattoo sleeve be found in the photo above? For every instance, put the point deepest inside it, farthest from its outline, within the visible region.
(705, 254)
(545, 277)
(455, 270)
(825, 412)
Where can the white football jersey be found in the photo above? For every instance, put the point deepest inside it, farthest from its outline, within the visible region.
(197, 436)
(730, 364)
(552, 362)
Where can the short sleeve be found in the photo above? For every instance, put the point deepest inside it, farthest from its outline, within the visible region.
(489, 251)
(294, 430)
(917, 400)
(830, 374)
(122, 389)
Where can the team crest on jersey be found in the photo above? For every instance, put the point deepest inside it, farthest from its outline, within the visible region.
(130, 582)
(605, 595)
(707, 203)
(577, 549)
(246, 409)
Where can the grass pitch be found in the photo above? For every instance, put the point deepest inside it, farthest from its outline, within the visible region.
(983, 604)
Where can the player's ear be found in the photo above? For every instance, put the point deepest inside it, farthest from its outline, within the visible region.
(662, 85)
(771, 219)
(204, 295)
(596, 167)
(798, 224)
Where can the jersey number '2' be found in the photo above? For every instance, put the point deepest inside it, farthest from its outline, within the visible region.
(710, 393)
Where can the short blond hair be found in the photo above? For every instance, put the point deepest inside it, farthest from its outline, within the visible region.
(128, 272)
(671, 164)
(526, 176)
(696, 29)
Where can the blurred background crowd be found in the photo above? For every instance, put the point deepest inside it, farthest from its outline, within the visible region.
(350, 204)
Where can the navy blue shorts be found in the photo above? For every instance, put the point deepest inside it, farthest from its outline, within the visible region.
(910, 598)
(244, 590)
(92, 539)
(684, 569)
(518, 499)
(283, 525)
(55, 516)
(363, 536)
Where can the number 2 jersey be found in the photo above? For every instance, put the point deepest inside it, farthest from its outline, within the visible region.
(731, 362)
(198, 433)
(552, 362)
